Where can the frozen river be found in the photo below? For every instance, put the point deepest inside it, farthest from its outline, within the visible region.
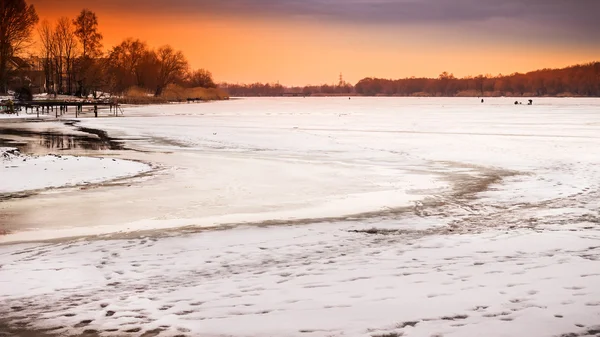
(313, 217)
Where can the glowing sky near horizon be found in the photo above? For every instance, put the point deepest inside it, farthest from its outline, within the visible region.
(297, 42)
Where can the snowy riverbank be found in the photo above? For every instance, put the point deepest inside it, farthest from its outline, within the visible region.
(25, 173)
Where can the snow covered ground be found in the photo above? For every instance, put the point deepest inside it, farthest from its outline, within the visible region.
(23, 173)
(4, 116)
(312, 280)
(361, 217)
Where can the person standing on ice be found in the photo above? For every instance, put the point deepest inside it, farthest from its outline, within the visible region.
(11, 106)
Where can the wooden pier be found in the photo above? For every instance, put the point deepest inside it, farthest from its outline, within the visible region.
(60, 107)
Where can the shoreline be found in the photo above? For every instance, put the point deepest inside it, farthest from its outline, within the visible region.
(459, 187)
(148, 149)
(170, 227)
(79, 161)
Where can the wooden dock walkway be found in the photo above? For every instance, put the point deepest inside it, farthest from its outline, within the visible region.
(60, 107)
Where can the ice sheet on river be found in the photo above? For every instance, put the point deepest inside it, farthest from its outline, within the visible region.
(493, 230)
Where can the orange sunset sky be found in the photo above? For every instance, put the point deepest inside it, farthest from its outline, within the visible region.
(298, 42)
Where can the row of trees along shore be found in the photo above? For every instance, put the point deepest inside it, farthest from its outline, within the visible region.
(69, 59)
(579, 80)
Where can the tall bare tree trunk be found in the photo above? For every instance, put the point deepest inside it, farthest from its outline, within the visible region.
(3, 68)
(17, 19)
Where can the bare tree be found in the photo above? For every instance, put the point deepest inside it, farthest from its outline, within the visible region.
(17, 20)
(201, 78)
(58, 58)
(65, 35)
(87, 66)
(86, 30)
(126, 63)
(46, 36)
(147, 70)
(172, 66)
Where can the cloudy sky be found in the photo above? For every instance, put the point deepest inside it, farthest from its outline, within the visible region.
(311, 41)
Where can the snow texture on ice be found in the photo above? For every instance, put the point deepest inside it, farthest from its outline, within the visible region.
(362, 217)
(21, 173)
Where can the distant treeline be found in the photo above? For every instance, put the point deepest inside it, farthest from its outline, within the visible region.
(266, 89)
(579, 80)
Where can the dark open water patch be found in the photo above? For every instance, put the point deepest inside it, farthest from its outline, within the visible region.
(27, 141)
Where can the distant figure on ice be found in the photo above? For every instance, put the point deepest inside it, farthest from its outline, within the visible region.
(482, 100)
(516, 102)
(11, 106)
(530, 102)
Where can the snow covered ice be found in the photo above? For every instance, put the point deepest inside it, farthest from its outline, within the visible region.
(25, 173)
(320, 217)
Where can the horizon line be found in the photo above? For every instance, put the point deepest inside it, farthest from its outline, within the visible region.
(488, 75)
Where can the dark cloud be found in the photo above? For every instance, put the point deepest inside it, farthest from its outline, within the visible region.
(578, 16)
(400, 11)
